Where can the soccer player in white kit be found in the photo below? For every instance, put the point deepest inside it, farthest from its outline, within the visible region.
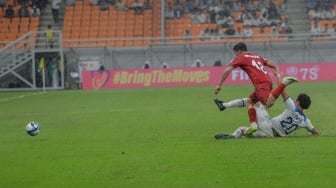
(287, 122)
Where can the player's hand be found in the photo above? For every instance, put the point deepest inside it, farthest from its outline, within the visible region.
(217, 89)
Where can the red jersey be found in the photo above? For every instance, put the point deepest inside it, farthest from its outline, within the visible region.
(253, 65)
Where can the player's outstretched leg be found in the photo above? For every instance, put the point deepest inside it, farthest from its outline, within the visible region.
(219, 104)
(289, 80)
(223, 136)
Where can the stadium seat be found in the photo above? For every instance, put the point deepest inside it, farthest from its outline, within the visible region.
(120, 24)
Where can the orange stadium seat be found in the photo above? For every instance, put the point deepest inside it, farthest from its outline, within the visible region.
(115, 24)
(13, 28)
(83, 20)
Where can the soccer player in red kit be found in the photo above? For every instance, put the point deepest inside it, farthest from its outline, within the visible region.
(254, 66)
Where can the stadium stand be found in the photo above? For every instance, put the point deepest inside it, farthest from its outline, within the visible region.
(322, 21)
(12, 28)
(199, 19)
(114, 28)
(119, 28)
(86, 25)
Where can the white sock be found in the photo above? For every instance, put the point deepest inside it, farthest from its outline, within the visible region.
(235, 103)
(239, 132)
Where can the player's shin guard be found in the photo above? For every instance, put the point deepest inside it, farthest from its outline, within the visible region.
(254, 126)
(252, 115)
(253, 120)
(278, 90)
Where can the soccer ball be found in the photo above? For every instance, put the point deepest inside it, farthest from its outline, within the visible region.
(33, 128)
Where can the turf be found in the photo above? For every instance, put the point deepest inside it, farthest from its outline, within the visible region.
(159, 137)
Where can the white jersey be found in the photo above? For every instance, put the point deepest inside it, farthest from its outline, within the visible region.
(290, 120)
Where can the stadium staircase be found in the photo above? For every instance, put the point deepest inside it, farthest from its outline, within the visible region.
(18, 57)
(15, 54)
(46, 18)
(298, 19)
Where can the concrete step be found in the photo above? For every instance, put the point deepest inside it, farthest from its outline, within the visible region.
(48, 19)
(298, 17)
(297, 6)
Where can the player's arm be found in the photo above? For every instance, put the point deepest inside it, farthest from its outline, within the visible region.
(224, 77)
(311, 128)
(271, 64)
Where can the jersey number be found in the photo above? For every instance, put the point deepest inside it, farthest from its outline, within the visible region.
(288, 125)
(259, 66)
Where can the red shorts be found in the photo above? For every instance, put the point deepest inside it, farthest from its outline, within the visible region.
(261, 93)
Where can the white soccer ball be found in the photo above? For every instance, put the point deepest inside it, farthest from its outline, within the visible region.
(33, 128)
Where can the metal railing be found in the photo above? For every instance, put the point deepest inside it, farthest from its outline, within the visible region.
(19, 63)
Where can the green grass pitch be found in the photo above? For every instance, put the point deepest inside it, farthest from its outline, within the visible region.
(159, 137)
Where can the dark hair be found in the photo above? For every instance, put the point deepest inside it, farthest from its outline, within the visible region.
(240, 46)
(304, 100)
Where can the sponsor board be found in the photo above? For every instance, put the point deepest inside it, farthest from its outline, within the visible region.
(193, 76)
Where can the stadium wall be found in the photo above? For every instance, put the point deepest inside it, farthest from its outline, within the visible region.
(184, 55)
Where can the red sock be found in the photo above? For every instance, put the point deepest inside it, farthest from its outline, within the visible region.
(278, 90)
(252, 115)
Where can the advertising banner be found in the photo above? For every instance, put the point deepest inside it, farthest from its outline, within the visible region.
(195, 76)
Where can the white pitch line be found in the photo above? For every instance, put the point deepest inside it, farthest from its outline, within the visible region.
(20, 97)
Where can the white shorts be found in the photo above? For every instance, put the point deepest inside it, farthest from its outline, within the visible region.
(264, 123)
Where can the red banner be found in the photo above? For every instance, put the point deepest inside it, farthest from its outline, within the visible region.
(192, 76)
